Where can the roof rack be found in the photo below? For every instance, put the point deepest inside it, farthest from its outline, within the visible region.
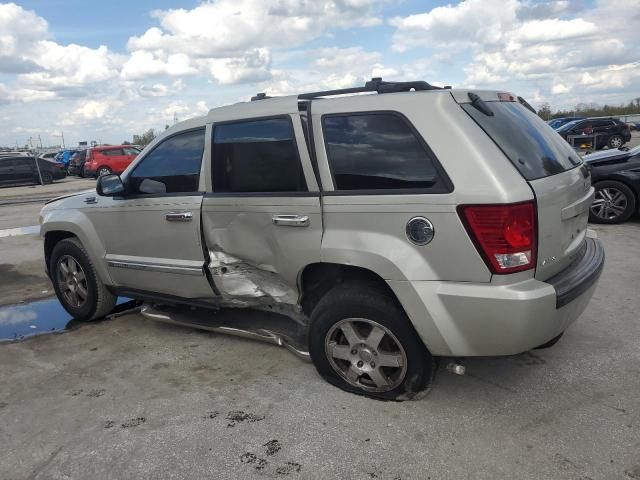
(374, 85)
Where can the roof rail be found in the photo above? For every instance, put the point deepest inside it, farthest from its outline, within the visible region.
(374, 85)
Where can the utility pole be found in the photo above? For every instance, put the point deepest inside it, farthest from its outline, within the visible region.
(40, 140)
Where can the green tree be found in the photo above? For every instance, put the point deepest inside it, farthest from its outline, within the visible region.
(144, 139)
(544, 111)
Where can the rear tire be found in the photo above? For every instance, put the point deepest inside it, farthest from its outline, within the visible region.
(103, 171)
(614, 202)
(47, 178)
(76, 282)
(352, 328)
(615, 141)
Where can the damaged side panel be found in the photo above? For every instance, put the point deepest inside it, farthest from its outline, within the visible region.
(254, 262)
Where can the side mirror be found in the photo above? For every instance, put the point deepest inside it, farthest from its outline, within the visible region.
(109, 185)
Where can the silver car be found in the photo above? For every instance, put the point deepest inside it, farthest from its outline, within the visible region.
(387, 228)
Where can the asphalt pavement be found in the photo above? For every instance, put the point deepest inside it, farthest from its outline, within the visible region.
(131, 398)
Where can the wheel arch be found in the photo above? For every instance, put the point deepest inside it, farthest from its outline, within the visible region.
(74, 224)
(316, 279)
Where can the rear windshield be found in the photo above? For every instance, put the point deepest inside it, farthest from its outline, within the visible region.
(533, 147)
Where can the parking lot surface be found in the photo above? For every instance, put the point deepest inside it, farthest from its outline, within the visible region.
(131, 398)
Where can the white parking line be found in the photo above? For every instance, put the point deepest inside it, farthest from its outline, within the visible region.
(13, 232)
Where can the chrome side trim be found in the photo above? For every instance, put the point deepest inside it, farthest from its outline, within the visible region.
(156, 267)
(261, 335)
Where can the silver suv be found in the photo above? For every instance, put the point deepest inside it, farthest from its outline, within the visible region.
(393, 227)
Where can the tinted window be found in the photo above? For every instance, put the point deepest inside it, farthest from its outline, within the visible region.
(534, 148)
(113, 152)
(378, 151)
(256, 156)
(131, 151)
(173, 166)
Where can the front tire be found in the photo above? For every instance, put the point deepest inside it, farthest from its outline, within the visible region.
(613, 202)
(361, 341)
(76, 282)
(103, 171)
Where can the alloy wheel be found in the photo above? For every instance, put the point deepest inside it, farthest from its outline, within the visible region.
(104, 171)
(72, 281)
(366, 354)
(609, 203)
(615, 142)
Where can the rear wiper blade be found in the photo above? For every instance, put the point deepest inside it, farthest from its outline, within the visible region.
(479, 104)
(526, 105)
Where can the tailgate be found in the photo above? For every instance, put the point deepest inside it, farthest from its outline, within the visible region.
(563, 202)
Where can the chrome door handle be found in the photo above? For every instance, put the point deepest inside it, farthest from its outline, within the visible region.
(179, 216)
(291, 220)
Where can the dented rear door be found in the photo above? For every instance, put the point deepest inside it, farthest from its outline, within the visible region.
(262, 220)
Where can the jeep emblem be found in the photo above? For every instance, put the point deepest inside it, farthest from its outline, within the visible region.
(419, 231)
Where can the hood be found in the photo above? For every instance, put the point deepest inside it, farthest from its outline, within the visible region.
(74, 194)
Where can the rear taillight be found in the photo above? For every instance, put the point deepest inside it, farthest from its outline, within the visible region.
(505, 235)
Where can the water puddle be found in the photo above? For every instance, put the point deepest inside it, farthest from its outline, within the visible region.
(44, 316)
(13, 232)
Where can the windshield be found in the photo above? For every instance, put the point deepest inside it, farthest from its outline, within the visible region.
(533, 147)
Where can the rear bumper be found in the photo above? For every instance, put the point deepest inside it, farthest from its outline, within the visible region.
(578, 277)
(466, 319)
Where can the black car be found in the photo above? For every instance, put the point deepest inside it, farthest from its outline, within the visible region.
(615, 175)
(20, 170)
(76, 164)
(609, 132)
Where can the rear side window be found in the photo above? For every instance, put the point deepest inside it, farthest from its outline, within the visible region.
(533, 147)
(173, 166)
(113, 152)
(372, 151)
(256, 156)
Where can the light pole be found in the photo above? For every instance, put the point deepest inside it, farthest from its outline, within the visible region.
(61, 135)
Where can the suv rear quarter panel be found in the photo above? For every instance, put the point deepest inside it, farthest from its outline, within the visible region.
(368, 230)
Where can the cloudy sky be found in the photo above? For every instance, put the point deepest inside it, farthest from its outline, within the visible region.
(106, 70)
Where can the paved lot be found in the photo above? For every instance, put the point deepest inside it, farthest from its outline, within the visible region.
(130, 398)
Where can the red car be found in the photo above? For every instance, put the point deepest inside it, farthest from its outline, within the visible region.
(105, 160)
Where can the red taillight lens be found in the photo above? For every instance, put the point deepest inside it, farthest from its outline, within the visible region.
(505, 235)
(506, 97)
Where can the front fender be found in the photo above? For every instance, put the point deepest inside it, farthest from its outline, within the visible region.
(77, 223)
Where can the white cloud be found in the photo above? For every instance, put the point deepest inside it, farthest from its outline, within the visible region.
(92, 109)
(536, 46)
(227, 28)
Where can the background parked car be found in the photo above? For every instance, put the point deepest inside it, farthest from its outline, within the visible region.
(611, 133)
(615, 175)
(106, 160)
(20, 170)
(48, 155)
(556, 123)
(64, 156)
(76, 164)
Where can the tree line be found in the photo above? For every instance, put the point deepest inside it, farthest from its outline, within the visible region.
(591, 110)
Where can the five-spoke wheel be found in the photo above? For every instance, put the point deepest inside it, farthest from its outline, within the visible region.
(361, 340)
(366, 354)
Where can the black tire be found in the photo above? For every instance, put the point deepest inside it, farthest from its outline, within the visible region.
(372, 304)
(99, 301)
(47, 178)
(550, 343)
(613, 141)
(82, 173)
(597, 215)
